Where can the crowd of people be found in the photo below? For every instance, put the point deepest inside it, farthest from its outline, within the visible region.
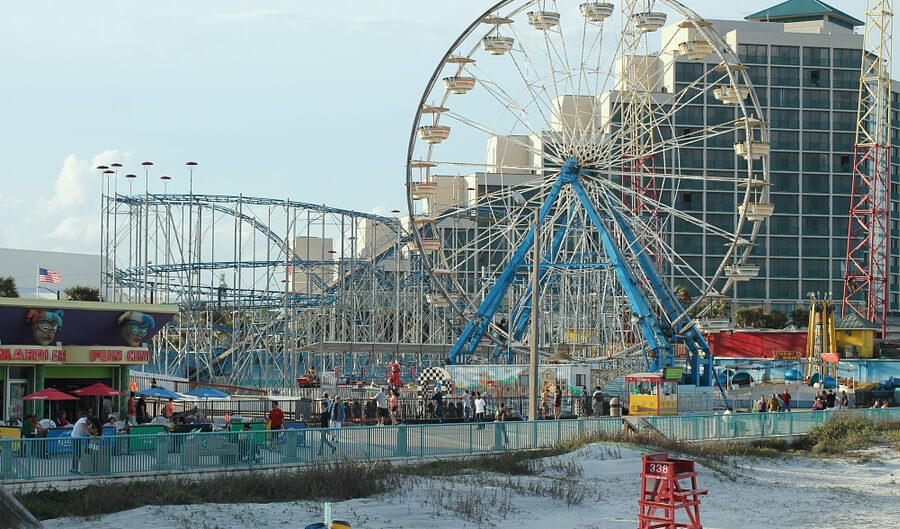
(824, 400)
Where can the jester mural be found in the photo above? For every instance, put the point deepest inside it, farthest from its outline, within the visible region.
(44, 324)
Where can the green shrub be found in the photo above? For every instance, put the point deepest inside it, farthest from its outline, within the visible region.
(841, 433)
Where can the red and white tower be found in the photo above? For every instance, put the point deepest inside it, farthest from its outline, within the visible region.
(868, 237)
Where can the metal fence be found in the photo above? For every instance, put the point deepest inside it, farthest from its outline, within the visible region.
(48, 458)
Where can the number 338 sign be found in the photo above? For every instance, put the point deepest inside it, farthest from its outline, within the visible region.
(657, 468)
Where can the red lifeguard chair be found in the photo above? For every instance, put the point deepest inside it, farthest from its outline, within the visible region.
(668, 486)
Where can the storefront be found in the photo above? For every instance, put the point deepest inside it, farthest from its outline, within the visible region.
(70, 344)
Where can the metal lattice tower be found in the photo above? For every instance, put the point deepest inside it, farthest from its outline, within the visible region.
(868, 241)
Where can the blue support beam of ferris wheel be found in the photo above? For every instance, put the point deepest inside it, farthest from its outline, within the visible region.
(649, 325)
(479, 323)
(688, 333)
(523, 317)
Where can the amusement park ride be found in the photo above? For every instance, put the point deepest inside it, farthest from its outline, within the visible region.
(588, 126)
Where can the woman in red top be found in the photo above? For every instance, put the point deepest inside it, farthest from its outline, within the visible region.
(557, 404)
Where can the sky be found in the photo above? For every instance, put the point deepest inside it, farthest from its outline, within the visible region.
(312, 101)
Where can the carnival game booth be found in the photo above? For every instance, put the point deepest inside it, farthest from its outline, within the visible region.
(653, 393)
(69, 345)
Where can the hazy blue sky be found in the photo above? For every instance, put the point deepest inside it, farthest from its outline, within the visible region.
(308, 100)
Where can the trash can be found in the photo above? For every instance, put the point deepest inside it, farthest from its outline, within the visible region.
(318, 525)
(615, 408)
(340, 524)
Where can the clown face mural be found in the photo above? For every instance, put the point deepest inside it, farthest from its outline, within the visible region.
(44, 324)
(134, 327)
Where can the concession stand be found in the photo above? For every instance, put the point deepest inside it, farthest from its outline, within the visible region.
(68, 345)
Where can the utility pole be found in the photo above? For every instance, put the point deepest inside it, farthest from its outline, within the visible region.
(868, 236)
(535, 287)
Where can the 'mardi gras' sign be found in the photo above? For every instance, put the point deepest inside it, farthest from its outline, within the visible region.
(82, 355)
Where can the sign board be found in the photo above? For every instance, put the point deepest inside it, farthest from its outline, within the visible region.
(787, 355)
(673, 373)
(73, 355)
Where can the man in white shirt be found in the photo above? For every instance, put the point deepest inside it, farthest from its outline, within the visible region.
(480, 406)
(381, 402)
(79, 433)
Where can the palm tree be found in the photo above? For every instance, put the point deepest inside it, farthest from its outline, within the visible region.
(8, 287)
(81, 293)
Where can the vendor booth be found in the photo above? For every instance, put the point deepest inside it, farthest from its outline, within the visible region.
(653, 393)
(68, 345)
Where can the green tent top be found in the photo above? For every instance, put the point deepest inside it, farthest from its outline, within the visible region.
(803, 10)
(854, 322)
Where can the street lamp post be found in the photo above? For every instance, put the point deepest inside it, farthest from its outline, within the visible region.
(145, 261)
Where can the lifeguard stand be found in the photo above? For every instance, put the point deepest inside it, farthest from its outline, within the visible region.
(668, 486)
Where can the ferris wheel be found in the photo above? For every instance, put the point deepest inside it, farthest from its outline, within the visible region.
(605, 126)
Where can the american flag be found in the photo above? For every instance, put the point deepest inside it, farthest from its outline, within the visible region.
(48, 276)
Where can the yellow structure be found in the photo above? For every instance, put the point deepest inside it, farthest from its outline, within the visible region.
(653, 393)
(853, 333)
(820, 338)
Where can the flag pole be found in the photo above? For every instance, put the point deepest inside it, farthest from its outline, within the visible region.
(37, 283)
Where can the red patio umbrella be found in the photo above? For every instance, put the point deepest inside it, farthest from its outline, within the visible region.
(49, 394)
(97, 390)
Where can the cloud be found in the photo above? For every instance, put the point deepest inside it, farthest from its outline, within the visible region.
(72, 183)
(78, 229)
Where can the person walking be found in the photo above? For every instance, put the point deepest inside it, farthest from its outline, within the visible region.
(276, 421)
(381, 403)
(761, 404)
(499, 418)
(131, 410)
(438, 399)
(80, 431)
(337, 413)
(773, 405)
(324, 423)
(598, 402)
(830, 399)
(545, 396)
(786, 400)
(480, 406)
(844, 400)
(557, 403)
(394, 405)
(467, 405)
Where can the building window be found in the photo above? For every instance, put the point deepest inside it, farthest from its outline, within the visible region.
(753, 53)
(840, 205)
(816, 162)
(720, 202)
(844, 121)
(689, 244)
(785, 182)
(691, 158)
(783, 224)
(815, 225)
(783, 246)
(784, 161)
(785, 119)
(688, 72)
(813, 119)
(817, 248)
(845, 142)
(844, 58)
(816, 56)
(716, 159)
(815, 78)
(786, 97)
(753, 289)
(815, 141)
(785, 204)
(842, 183)
(689, 115)
(785, 76)
(783, 267)
(815, 183)
(785, 139)
(843, 163)
(846, 79)
(785, 55)
(816, 99)
(758, 75)
(780, 289)
(719, 115)
(845, 100)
